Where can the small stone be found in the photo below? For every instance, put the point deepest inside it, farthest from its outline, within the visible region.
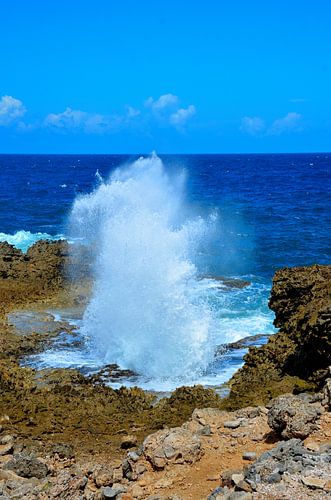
(236, 478)
(249, 455)
(115, 490)
(132, 455)
(313, 482)
(312, 445)
(273, 478)
(103, 477)
(327, 486)
(64, 450)
(238, 495)
(205, 430)
(6, 448)
(232, 424)
(137, 491)
(140, 469)
(128, 441)
(244, 486)
(6, 439)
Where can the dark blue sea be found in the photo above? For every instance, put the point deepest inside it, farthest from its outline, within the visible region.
(275, 208)
(273, 211)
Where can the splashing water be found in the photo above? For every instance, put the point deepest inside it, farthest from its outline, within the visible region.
(147, 312)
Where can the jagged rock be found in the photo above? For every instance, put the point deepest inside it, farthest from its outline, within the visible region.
(176, 445)
(298, 356)
(294, 416)
(27, 466)
(103, 476)
(289, 457)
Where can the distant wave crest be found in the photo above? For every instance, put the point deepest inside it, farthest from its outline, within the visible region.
(24, 239)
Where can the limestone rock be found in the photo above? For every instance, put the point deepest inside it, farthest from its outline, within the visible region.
(176, 445)
(294, 416)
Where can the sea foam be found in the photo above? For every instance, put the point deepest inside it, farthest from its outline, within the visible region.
(147, 311)
(24, 239)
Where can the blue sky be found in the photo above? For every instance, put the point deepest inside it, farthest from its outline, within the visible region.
(125, 76)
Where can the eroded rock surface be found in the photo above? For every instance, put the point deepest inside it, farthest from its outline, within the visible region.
(298, 356)
(177, 445)
(294, 416)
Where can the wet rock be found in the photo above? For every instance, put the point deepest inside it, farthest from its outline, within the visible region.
(294, 416)
(298, 356)
(27, 466)
(176, 445)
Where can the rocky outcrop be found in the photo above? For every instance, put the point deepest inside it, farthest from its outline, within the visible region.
(298, 356)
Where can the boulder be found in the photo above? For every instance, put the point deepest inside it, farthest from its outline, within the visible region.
(294, 416)
(176, 445)
(27, 466)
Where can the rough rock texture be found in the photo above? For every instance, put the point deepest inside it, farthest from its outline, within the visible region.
(27, 466)
(294, 416)
(298, 356)
(289, 458)
(175, 445)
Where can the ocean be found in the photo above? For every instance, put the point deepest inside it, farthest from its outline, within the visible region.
(268, 211)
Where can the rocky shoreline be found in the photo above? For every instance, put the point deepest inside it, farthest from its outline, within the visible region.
(63, 435)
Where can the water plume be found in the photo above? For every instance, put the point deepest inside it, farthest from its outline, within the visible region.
(146, 312)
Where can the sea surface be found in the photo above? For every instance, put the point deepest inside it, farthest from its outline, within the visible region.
(272, 211)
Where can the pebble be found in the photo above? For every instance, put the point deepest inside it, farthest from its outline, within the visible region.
(236, 478)
(6, 448)
(313, 482)
(6, 439)
(132, 455)
(249, 455)
(232, 424)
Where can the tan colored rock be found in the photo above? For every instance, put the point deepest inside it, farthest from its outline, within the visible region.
(176, 445)
(313, 482)
(6, 448)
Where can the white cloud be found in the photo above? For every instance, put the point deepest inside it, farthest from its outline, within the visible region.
(292, 122)
(163, 102)
(10, 110)
(180, 117)
(75, 119)
(252, 125)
